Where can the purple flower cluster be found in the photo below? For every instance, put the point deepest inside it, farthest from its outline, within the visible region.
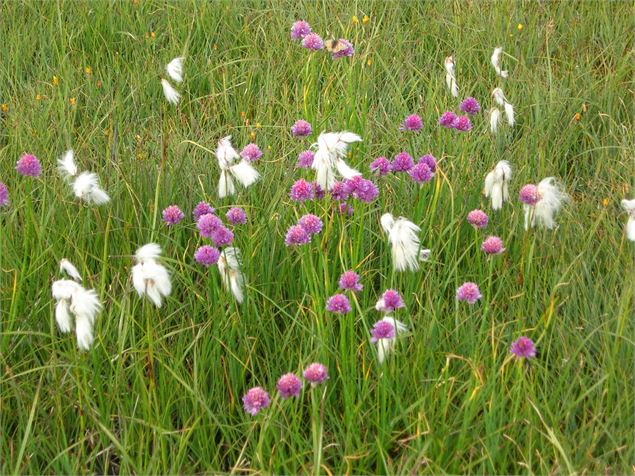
(255, 400)
(316, 374)
(251, 152)
(349, 280)
(311, 223)
(28, 166)
(344, 49)
(380, 166)
(301, 233)
(305, 159)
(289, 385)
(470, 106)
(468, 292)
(236, 216)
(300, 29)
(492, 245)
(172, 215)
(313, 42)
(301, 128)
(338, 304)
(207, 255)
(203, 208)
(421, 173)
(449, 120)
(478, 219)
(402, 162)
(4, 195)
(302, 190)
(390, 301)
(529, 194)
(361, 189)
(207, 224)
(412, 122)
(523, 348)
(382, 330)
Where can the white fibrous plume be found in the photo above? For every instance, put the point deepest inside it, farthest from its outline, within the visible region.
(70, 269)
(497, 184)
(66, 165)
(405, 244)
(230, 273)
(329, 157)
(242, 171)
(551, 199)
(175, 69)
(629, 206)
(496, 62)
(450, 77)
(501, 100)
(171, 94)
(385, 346)
(150, 278)
(494, 119)
(74, 300)
(86, 187)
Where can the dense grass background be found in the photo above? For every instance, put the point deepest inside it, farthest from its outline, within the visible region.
(451, 400)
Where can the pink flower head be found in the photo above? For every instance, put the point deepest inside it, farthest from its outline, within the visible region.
(468, 292)
(311, 223)
(447, 119)
(305, 159)
(251, 152)
(302, 190)
(236, 216)
(207, 255)
(172, 215)
(430, 161)
(203, 208)
(361, 189)
(346, 50)
(381, 166)
(339, 191)
(222, 236)
(316, 374)
(492, 245)
(289, 385)
(297, 235)
(4, 195)
(312, 42)
(301, 128)
(529, 194)
(412, 123)
(421, 173)
(402, 162)
(207, 223)
(338, 304)
(523, 348)
(300, 29)
(477, 218)
(29, 166)
(255, 400)
(390, 301)
(350, 281)
(462, 123)
(470, 106)
(382, 330)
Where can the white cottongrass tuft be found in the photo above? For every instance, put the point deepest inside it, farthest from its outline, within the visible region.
(85, 185)
(230, 273)
(497, 184)
(171, 94)
(175, 69)
(501, 100)
(629, 206)
(494, 119)
(402, 234)
(552, 198)
(496, 62)
(385, 346)
(450, 77)
(70, 269)
(150, 278)
(331, 150)
(74, 300)
(66, 165)
(242, 171)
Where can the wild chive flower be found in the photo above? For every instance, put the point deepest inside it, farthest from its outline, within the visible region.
(477, 218)
(430, 161)
(382, 330)
(329, 158)
(361, 189)
(251, 152)
(381, 166)
(297, 235)
(349, 280)
(470, 106)
(301, 128)
(468, 292)
(4, 195)
(492, 245)
(523, 348)
(289, 385)
(311, 224)
(421, 173)
(236, 216)
(345, 49)
(222, 236)
(447, 119)
(207, 255)
(497, 184)
(202, 208)
(390, 301)
(172, 215)
(384, 334)
(312, 42)
(316, 373)
(340, 191)
(305, 159)
(302, 190)
(402, 162)
(150, 278)
(412, 122)
(404, 241)
(28, 166)
(462, 123)
(300, 29)
(207, 224)
(338, 304)
(529, 194)
(551, 197)
(255, 400)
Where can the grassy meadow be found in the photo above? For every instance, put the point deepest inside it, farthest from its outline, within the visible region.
(451, 399)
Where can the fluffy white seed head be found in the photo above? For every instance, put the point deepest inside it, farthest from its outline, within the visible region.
(66, 165)
(629, 207)
(225, 153)
(450, 77)
(494, 119)
(171, 94)
(552, 198)
(175, 69)
(332, 147)
(497, 184)
(404, 240)
(63, 316)
(230, 273)
(152, 280)
(70, 269)
(244, 173)
(86, 187)
(226, 187)
(496, 62)
(149, 252)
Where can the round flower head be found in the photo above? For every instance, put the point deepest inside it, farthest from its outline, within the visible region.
(172, 215)
(301, 128)
(311, 224)
(430, 161)
(255, 400)
(301, 190)
(389, 301)
(316, 374)
(339, 191)
(305, 159)
(361, 189)
(207, 255)
(421, 173)
(468, 292)
(297, 235)
(300, 29)
(462, 123)
(402, 162)
(251, 152)
(346, 209)
(207, 224)
(350, 281)
(312, 42)
(412, 123)
(203, 208)
(29, 166)
(222, 236)
(382, 330)
(289, 385)
(529, 194)
(338, 304)
(523, 348)
(346, 50)
(447, 119)
(477, 218)
(4, 195)
(236, 216)
(470, 106)
(492, 245)
(381, 166)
